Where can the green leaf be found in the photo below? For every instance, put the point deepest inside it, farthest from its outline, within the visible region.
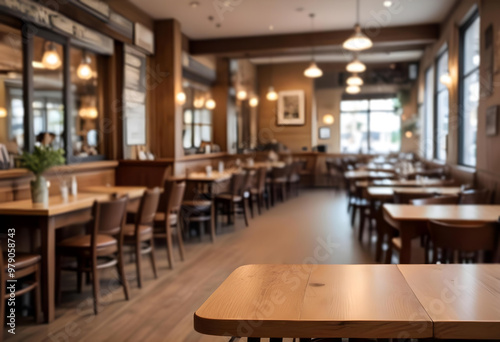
(42, 159)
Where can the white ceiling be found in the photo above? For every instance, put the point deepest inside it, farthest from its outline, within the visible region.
(254, 17)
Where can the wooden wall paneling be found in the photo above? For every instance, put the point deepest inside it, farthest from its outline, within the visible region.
(142, 173)
(220, 93)
(166, 117)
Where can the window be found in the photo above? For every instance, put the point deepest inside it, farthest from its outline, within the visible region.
(11, 91)
(469, 89)
(442, 108)
(197, 119)
(428, 119)
(369, 126)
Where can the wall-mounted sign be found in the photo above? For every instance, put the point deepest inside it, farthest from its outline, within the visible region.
(144, 38)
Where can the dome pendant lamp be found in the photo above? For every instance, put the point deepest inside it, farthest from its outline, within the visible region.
(313, 71)
(358, 41)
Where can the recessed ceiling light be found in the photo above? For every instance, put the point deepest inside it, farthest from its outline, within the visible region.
(300, 9)
(387, 3)
(271, 27)
(194, 4)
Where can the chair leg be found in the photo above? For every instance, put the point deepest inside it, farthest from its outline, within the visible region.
(245, 214)
(361, 224)
(259, 204)
(138, 259)
(79, 274)
(95, 284)
(58, 279)
(283, 192)
(121, 272)
(179, 239)
(213, 224)
(152, 257)
(37, 296)
(250, 204)
(353, 215)
(170, 254)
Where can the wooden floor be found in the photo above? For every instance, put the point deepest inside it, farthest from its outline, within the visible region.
(313, 228)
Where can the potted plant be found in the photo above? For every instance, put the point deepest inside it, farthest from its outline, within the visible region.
(42, 159)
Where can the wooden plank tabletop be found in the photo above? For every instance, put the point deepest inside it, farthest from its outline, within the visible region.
(477, 213)
(216, 176)
(131, 191)
(362, 174)
(413, 183)
(56, 205)
(463, 301)
(382, 192)
(357, 301)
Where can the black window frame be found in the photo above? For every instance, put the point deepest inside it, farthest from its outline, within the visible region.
(437, 92)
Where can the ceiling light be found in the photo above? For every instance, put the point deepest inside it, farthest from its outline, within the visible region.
(409, 134)
(3, 112)
(84, 70)
(355, 80)
(445, 79)
(181, 98)
(88, 113)
(387, 3)
(328, 119)
(194, 4)
(199, 102)
(254, 101)
(242, 95)
(271, 27)
(356, 66)
(358, 41)
(271, 94)
(313, 71)
(37, 65)
(51, 59)
(353, 89)
(210, 104)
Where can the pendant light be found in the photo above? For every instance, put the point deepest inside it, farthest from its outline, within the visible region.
(313, 71)
(181, 98)
(272, 95)
(355, 80)
(242, 95)
(210, 104)
(353, 89)
(328, 119)
(358, 41)
(254, 101)
(84, 71)
(356, 66)
(51, 59)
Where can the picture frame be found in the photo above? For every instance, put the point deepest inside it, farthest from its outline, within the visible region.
(324, 133)
(492, 121)
(291, 108)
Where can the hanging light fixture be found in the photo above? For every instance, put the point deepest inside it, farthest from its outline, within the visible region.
(353, 89)
(356, 66)
(313, 71)
(51, 59)
(328, 119)
(84, 71)
(355, 80)
(210, 104)
(272, 95)
(254, 101)
(242, 95)
(3, 112)
(181, 98)
(358, 41)
(445, 79)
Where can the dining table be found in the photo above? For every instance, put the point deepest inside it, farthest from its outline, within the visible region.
(422, 182)
(381, 193)
(314, 301)
(365, 174)
(408, 219)
(134, 193)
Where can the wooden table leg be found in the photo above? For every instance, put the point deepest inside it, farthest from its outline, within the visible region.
(47, 227)
(405, 253)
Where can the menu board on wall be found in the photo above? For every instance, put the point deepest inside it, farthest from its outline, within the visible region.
(134, 97)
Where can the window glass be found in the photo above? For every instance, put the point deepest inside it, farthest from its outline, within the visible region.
(48, 84)
(354, 132)
(442, 108)
(354, 105)
(197, 118)
(11, 94)
(471, 41)
(429, 114)
(385, 131)
(85, 117)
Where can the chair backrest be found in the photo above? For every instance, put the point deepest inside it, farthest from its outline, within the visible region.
(444, 200)
(249, 180)
(147, 207)
(166, 174)
(279, 172)
(461, 237)
(261, 179)
(475, 196)
(108, 217)
(237, 184)
(174, 193)
(406, 198)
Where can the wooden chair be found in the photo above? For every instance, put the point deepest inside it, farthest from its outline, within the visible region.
(167, 217)
(278, 183)
(25, 265)
(198, 208)
(140, 233)
(294, 178)
(102, 248)
(233, 198)
(257, 192)
(475, 196)
(466, 240)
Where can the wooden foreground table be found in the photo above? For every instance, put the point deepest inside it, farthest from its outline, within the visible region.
(463, 301)
(356, 301)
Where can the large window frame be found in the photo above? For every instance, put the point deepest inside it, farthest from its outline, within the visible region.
(30, 31)
(441, 91)
(463, 76)
(428, 111)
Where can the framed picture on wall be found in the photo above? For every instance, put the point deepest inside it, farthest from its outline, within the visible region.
(291, 108)
(324, 133)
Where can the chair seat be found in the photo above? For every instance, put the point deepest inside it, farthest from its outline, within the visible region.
(228, 197)
(129, 230)
(160, 217)
(197, 205)
(22, 260)
(294, 178)
(83, 241)
(279, 180)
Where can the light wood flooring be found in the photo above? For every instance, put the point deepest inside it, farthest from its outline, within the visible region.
(313, 227)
